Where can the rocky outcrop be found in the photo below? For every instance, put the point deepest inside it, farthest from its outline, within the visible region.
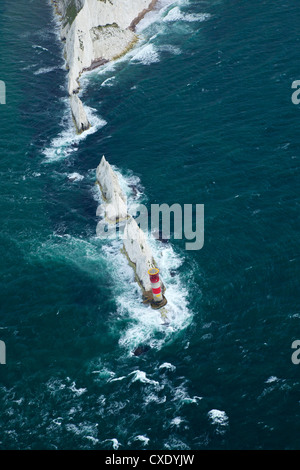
(79, 114)
(135, 246)
(94, 32)
(115, 203)
(138, 253)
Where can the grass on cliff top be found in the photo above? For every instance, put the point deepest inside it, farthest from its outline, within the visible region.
(71, 13)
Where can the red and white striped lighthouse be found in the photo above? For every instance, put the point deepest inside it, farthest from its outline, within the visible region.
(158, 298)
(155, 284)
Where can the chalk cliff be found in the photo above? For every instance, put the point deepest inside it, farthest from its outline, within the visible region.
(94, 32)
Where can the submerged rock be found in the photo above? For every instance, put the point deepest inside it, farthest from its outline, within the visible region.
(159, 235)
(141, 350)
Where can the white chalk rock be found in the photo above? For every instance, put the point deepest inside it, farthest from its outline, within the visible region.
(96, 31)
(138, 252)
(115, 201)
(100, 31)
(79, 114)
(115, 209)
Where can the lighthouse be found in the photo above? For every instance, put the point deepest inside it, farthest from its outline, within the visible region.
(159, 299)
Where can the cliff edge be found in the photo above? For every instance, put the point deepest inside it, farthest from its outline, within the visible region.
(95, 32)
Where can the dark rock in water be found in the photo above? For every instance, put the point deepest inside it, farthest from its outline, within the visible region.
(72, 178)
(160, 236)
(172, 273)
(134, 189)
(163, 240)
(141, 350)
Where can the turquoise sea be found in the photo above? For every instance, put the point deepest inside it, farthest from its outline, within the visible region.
(200, 112)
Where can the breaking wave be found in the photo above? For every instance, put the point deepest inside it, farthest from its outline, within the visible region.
(68, 139)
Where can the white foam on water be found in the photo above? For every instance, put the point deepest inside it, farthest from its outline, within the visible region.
(55, 385)
(28, 67)
(175, 14)
(271, 379)
(146, 54)
(77, 391)
(109, 81)
(163, 13)
(92, 439)
(115, 443)
(108, 67)
(176, 421)
(154, 15)
(140, 376)
(144, 439)
(181, 395)
(126, 182)
(67, 141)
(169, 48)
(167, 365)
(175, 443)
(96, 193)
(75, 177)
(44, 70)
(85, 430)
(153, 398)
(41, 48)
(81, 253)
(58, 421)
(219, 419)
(117, 379)
(104, 69)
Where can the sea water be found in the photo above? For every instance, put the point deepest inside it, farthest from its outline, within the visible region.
(199, 112)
